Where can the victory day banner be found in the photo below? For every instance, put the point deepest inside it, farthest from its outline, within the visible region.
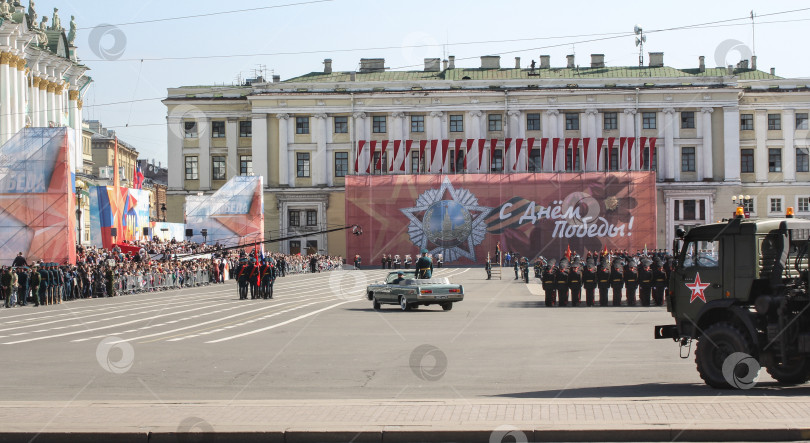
(465, 216)
(37, 200)
(232, 216)
(128, 214)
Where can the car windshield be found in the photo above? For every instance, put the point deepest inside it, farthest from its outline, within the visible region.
(393, 276)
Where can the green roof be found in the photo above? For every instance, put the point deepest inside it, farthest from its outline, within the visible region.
(526, 74)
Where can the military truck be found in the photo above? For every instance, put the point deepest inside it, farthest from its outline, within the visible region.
(742, 287)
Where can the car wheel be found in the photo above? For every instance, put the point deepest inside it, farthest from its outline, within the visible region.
(376, 305)
(370, 296)
(403, 304)
(447, 306)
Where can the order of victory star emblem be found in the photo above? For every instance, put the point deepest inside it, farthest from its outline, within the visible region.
(447, 221)
(697, 289)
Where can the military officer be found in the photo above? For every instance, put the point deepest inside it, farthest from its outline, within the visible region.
(268, 278)
(603, 281)
(5, 281)
(631, 282)
(397, 262)
(253, 278)
(516, 265)
(644, 282)
(575, 284)
(659, 283)
(617, 281)
(35, 281)
(549, 283)
(524, 269)
(383, 261)
(589, 281)
(22, 289)
(561, 283)
(43, 284)
(242, 275)
(408, 261)
(488, 268)
(424, 266)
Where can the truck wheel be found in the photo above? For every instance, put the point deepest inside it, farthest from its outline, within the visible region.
(376, 305)
(403, 304)
(795, 372)
(447, 306)
(714, 346)
(370, 296)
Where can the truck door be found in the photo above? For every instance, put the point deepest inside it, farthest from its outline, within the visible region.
(701, 278)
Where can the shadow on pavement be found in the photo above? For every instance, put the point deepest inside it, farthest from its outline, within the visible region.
(765, 389)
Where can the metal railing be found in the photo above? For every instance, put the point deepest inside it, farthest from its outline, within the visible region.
(160, 281)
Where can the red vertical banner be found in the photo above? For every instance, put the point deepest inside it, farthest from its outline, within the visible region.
(630, 142)
(408, 144)
(599, 142)
(585, 143)
(360, 144)
(652, 151)
(565, 153)
(372, 147)
(422, 147)
(433, 148)
(493, 145)
(445, 148)
(481, 146)
(529, 146)
(470, 142)
(384, 149)
(642, 144)
(506, 143)
(555, 145)
(518, 145)
(397, 143)
(543, 146)
(458, 151)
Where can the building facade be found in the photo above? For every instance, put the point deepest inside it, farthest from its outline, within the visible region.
(714, 137)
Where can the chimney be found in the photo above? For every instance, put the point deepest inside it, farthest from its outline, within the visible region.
(656, 59)
(490, 62)
(444, 64)
(353, 76)
(451, 62)
(773, 71)
(545, 61)
(597, 60)
(517, 62)
(570, 58)
(327, 66)
(754, 62)
(276, 78)
(433, 64)
(730, 70)
(372, 65)
(702, 64)
(742, 64)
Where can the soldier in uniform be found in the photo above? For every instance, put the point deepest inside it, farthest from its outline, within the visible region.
(424, 266)
(561, 282)
(35, 280)
(397, 262)
(617, 280)
(22, 289)
(408, 261)
(253, 276)
(603, 280)
(575, 283)
(110, 280)
(515, 265)
(644, 282)
(488, 268)
(5, 281)
(524, 269)
(383, 261)
(268, 278)
(659, 282)
(549, 283)
(43, 284)
(242, 275)
(631, 282)
(589, 280)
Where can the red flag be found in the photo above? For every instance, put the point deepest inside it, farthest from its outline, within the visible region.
(470, 142)
(529, 146)
(422, 146)
(630, 142)
(599, 142)
(433, 148)
(408, 144)
(360, 144)
(397, 143)
(382, 153)
(642, 143)
(481, 146)
(258, 274)
(622, 141)
(493, 143)
(373, 147)
(585, 143)
(445, 147)
(610, 150)
(568, 252)
(518, 145)
(458, 151)
(555, 145)
(543, 146)
(652, 151)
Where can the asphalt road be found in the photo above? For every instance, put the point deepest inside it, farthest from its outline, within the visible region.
(320, 339)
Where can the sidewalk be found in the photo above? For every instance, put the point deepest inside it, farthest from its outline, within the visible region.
(721, 417)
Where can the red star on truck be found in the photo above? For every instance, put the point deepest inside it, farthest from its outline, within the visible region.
(697, 289)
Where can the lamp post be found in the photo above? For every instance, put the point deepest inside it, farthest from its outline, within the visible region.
(744, 201)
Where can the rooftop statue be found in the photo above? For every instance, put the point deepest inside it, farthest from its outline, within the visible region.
(32, 14)
(57, 24)
(5, 11)
(72, 33)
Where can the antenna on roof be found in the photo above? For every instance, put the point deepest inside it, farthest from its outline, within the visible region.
(641, 38)
(753, 34)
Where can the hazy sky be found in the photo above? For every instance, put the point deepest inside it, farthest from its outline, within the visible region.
(346, 30)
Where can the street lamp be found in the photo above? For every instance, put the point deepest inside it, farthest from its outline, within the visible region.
(744, 201)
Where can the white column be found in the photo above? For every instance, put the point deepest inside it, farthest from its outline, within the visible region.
(23, 92)
(515, 131)
(628, 129)
(283, 146)
(13, 96)
(590, 125)
(5, 98)
(706, 130)
(761, 151)
(473, 131)
(358, 126)
(43, 102)
(551, 130)
(174, 144)
(789, 153)
(258, 146)
(669, 144)
(319, 157)
(232, 141)
(731, 143)
(398, 133)
(204, 135)
(75, 122)
(330, 156)
(33, 97)
(50, 98)
(437, 133)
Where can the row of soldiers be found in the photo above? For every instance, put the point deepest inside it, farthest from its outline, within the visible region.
(46, 284)
(395, 262)
(258, 276)
(642, 275)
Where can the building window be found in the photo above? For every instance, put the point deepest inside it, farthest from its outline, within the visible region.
(648, 120)
(746, 160)
(746, 122)
(610, 121)
(774, 122)
(535, 165)
(245, 128)
(748, 205)
(245, 165)
(191, 168)
(341, 125)
(218, 167)
(417, 123)
(302, 169)
(688, 159)
(191, 129)
(571, 121)
(803, 204)
(295, 247)
(776, 204)
(532, 122)
(312, 217)
(302, 125)
(801, 120)
(802, 160)
(378, 124)
(383, 164)
(341, 164)
(495, 122)
(416, 165)
(312, 247)
(497, 161)
(456, 123)
(217, 129)
(774, 160)
(295, 218)
(613, 164)
(687, 120)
